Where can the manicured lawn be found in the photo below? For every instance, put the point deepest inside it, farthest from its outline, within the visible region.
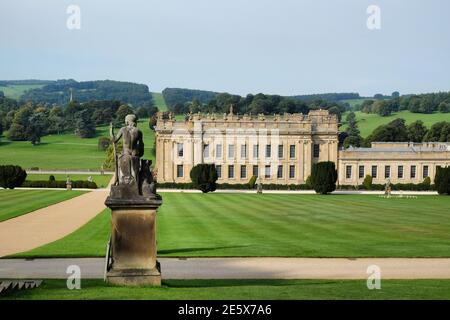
(65, 151)
(243, 289)
(15, 203)
(369, 122)
(282, 225)
(159, 101)
(101, 180)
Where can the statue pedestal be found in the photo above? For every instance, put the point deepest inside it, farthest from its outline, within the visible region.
(133, 241)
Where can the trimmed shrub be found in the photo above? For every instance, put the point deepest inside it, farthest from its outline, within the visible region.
(79, 184)
(204, 177)
(426, 182)
(308, 182)
(237, 186)
(11, 176)
(367, 183)
(324, 177)
(51, 178)
(252, 182)
(442, 180)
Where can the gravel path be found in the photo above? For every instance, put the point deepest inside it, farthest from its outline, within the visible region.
(48, 224)
(241, 268)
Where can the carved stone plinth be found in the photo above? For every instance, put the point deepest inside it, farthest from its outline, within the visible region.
(133, 240)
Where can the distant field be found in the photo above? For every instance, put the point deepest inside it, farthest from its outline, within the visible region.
(65, 151)
(15, 203)
(101, 181)
(218, 224)
(15, 91)
(159, 101)
(367, 122)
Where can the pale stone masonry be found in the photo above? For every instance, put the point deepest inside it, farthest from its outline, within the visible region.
(401, 162)
(281, 149)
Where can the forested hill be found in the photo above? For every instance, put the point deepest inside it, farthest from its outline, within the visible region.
(331, 97)
(174, 96)
(59, 92)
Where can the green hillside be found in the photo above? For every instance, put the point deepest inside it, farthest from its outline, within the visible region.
(65, 151)
(367, 122)
(159, 101)
(16, 91)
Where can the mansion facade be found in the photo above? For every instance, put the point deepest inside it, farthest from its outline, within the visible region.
(281, 149)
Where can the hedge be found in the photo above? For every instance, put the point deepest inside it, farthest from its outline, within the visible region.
(229, 186)
(394, 187)
(245, 186)
(79, 184)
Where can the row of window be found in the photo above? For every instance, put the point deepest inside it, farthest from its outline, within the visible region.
(231, 151)
(387, 172)
(243, 171)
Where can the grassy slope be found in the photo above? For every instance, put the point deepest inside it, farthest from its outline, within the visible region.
(159, 101)
(65, 151)
(18, 202)
(282, 225)
(15, 91)
(368, 122)
(243, 289)
(101, 181)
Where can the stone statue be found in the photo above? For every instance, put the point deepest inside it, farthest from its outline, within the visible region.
(388, 188)
(132, 173)
(131, 257)
(259, 188)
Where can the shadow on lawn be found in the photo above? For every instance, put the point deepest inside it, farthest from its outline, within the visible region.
(184, 250)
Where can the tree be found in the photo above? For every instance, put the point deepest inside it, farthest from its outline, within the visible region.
(381, 107)
(444, 107)
(121, 113)
(416, 131)
(204, 177)
(11, 176)
(324, 177)
(17, 131)
(84, 126)
(442, 180)
(439, 132)
(37, 127)
(395, 94)
(353, 134)
(394, 131)
(142, 112)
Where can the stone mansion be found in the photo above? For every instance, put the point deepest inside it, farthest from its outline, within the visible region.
(281, 149)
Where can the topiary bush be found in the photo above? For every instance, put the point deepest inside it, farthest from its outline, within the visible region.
(324, 177)
(204, 177)
(11, 176)
(252, 182)
(442, 180)
(367, 183)
(51, 178)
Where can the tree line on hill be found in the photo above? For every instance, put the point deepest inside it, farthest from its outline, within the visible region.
(421, 103)
(174, 96)
(257, 104)
(395, 131)
(58, 92)
(30, 121)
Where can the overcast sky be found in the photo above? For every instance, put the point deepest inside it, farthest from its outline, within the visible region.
(238, 46)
